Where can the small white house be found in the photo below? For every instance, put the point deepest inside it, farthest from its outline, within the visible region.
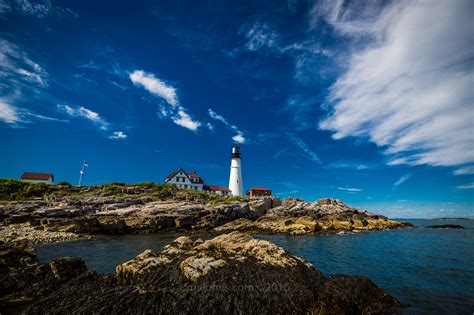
(185, 180)
(46, 178)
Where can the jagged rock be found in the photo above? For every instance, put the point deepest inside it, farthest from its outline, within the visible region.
(296, 217)
(230, 274)
(23, 279)
(95, 211)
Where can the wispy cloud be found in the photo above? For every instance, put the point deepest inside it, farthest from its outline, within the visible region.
(239, 137)
(349, 165)
(410, 90)
(279, 153)
(168, 93)
(118, 135)
(86, 113)
(16, 117)
(39, 8)
(350, 189)
(468, 186)
(303, 146)
(402, 180)
(468, 170)
(155, 86)
(261, 35)
(94, 117)
(184, 120)
(9, 113)
(18, 69)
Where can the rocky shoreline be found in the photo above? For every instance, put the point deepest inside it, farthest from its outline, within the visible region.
(69, 213)
(232, 273)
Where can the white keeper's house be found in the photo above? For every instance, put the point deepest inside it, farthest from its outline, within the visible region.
(184, 180)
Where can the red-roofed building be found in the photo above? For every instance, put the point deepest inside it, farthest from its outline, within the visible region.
(259, 192)
(46, 178)
(217, 190)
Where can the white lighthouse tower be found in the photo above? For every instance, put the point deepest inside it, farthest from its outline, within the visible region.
(235, 179)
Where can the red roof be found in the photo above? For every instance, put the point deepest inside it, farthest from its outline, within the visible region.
(215, 188)
(171, 175)
(194, 174)
(37, 176)
(261, 189)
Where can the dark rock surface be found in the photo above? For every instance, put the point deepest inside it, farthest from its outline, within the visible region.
(231, 273)
(446, 226)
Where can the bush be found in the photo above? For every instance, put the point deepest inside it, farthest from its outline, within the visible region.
(64, 184)
(12, 189)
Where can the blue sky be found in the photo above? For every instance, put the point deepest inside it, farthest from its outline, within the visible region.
(370, 103)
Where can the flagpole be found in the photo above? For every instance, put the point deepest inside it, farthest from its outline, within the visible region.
(82, 172)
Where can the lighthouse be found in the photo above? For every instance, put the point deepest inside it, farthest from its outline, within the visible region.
(235, 179)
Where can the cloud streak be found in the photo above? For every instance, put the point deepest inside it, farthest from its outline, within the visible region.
(93, 117)
(168, 93)
(410, 91)
(9, 113)
(313, 156)
(85, 113)
(155, 86)
(468, 186)
(239, 137)
(350, 189)
(401, 180)
(118, 135)
(18, 69)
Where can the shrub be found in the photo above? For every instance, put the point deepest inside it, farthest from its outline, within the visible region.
(12, 189)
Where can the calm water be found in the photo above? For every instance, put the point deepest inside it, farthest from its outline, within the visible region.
(430, 269)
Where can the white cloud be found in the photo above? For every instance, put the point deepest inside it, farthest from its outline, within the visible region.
(349, 189)
(85, 113)
(167, 92)
(261, 35)
(239, 137)
(9, 113)
(184, 120)
(155, 86)
(18, 69)
(468, 186)
(15, 116)
(118, 135)
(38, 8)
(410, 91)
(468, 170)
(401, 180)
(303, 146)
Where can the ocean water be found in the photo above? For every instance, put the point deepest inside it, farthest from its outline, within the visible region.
(432, 270)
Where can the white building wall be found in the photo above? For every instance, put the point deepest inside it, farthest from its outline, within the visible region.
(235, 179)
(181, 180)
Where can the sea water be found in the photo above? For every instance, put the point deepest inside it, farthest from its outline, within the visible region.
(430, 269)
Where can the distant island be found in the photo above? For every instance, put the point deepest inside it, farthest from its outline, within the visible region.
(469, 219)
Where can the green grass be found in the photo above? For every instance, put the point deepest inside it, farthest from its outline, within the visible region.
(11, 189)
